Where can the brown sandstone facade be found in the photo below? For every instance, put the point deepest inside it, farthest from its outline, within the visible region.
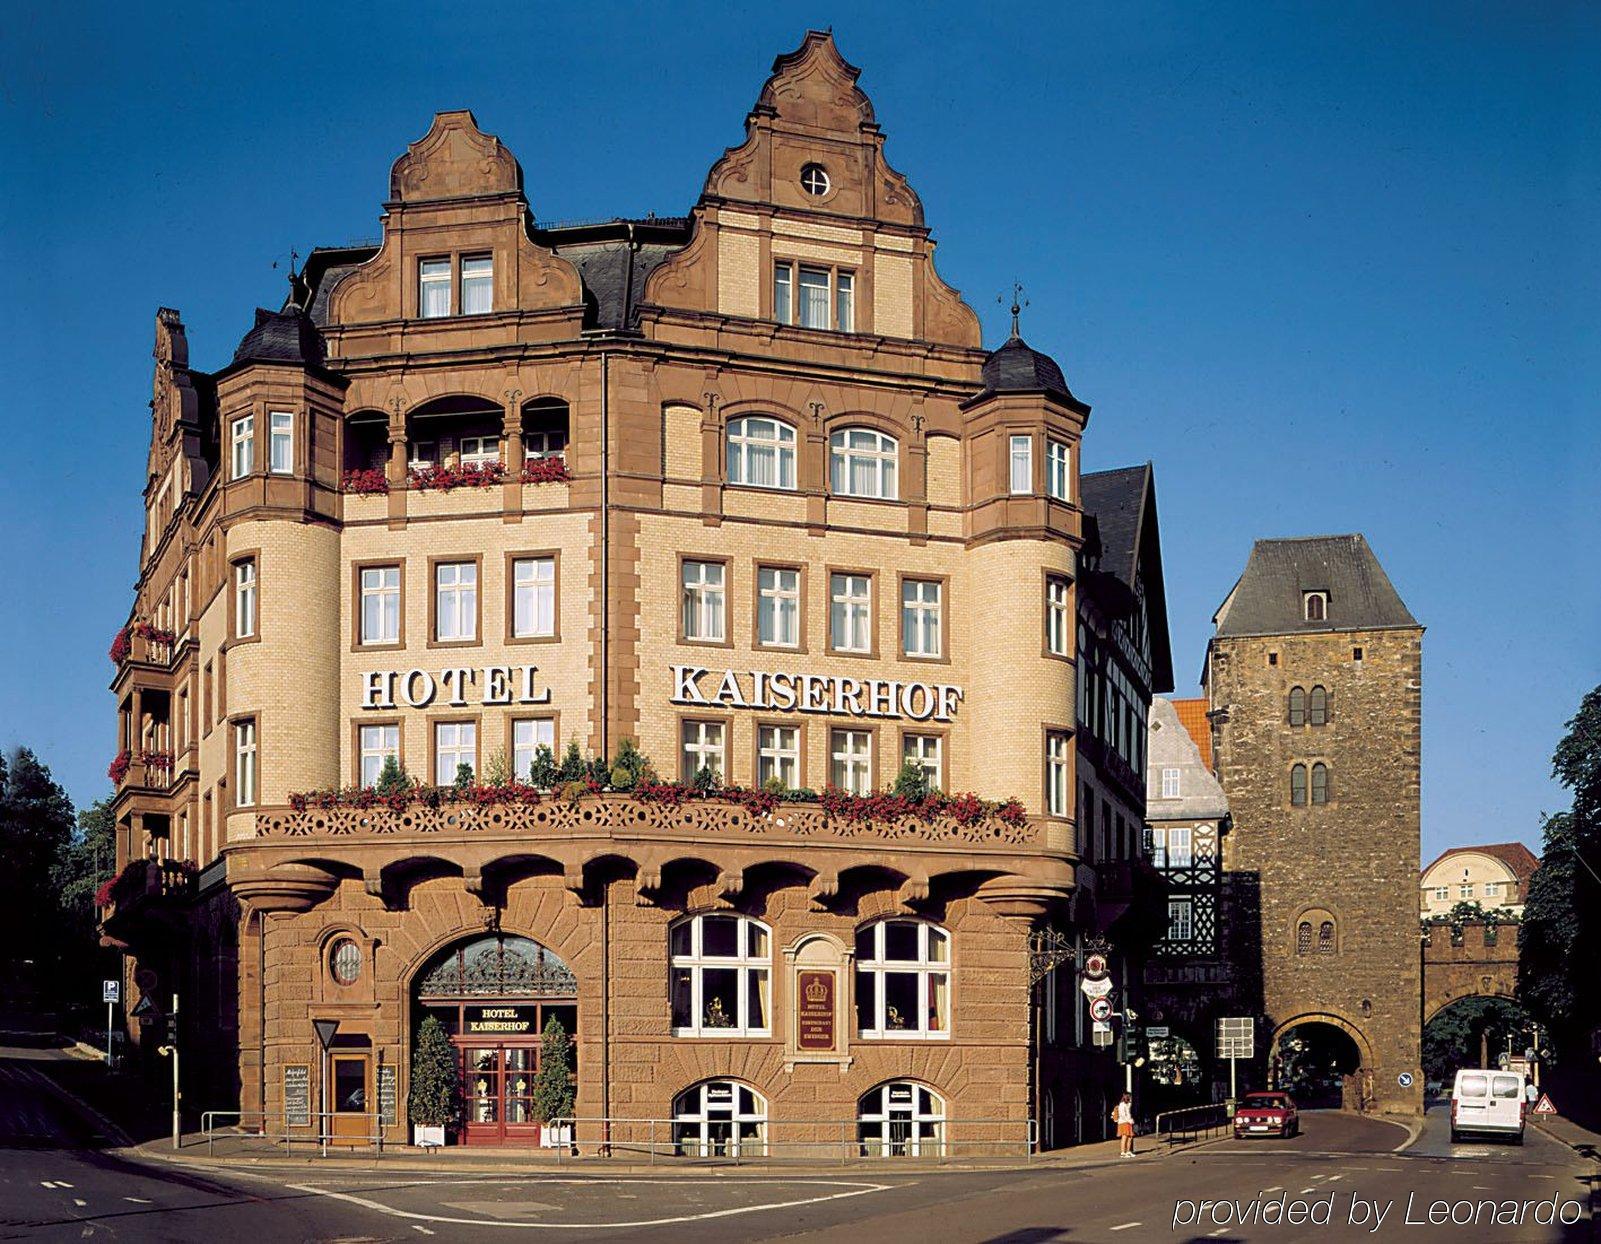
(305, 614)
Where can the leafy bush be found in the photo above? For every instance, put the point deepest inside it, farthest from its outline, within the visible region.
(434, 1099)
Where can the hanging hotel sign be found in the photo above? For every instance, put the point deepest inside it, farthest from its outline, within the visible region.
(502, 1019)
(457, 687)
(814, 1010)
(814, 693)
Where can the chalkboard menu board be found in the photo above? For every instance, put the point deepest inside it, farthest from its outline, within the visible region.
(297, 1095)
(386, 1093)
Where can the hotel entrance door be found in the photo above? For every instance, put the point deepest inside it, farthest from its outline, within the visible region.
(499, 1086)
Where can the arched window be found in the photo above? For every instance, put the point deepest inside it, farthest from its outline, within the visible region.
(1303, 937)
(862, 463)
(1325, 938)
(903, 980)
(1316, 606)
(1317, 707)
(1298, 786)
(1298, 706)
(721, 971)
(1320, 783)
(761, 452)
(901, 1120)
(720, 1119)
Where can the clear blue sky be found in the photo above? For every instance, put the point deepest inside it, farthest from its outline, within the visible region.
(1332, 267)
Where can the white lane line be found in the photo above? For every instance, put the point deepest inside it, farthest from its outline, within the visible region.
(47, 1183)
(1215, 1234)
(62, 1183)
(1274, 1188)
(1333, 1178)
(79, 1202)
(139, 1200)
(1123, 1226)
(852, 1190)
(1304, 1191)
(417, 1226)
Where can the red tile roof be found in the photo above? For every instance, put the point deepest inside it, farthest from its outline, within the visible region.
(1192, 716)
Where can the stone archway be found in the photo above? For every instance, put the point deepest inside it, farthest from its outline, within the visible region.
(1323, 1060)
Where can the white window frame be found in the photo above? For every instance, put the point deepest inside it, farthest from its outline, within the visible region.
(850, 760)
(901, 1129)
(923, 618)
(433, 278)
(750, 438)
(1442, 894)
(242, 438)
(778, 606)
(456, 602)
(1180, 919)
(1059, 470)
(245, 763)
(932, 942)
(380, 604)
(1058, 773)
(459, 741)
(1058, 615)
(528, 735)
(1020, 465)
(549, 443)
(1180, 847)
(477, 277)
(423, 454)
(703, 1126)
(877, 453)
(844, 301)
(850, 612)
(533, 597)
(778, 755)
(1465, 890)
(375, 744)
(751, 963)
(1172, 782)
(280, 442)
(479, 450)
(784, 292)
(246, 598)
(702, 743)
(927, 752)
(704, 605)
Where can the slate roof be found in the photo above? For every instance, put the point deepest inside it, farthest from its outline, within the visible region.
(1121, 507)
(1268, 597)
(1019, 368)
(1171, 747)
(286, 336)
(1517, 857)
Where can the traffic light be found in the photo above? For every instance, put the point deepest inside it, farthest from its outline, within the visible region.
(1131, 1046)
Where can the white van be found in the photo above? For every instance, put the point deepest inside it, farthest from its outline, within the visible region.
(1488, 1102)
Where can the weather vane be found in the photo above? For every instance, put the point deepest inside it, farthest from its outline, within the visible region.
(294, 259)
(1018, 303)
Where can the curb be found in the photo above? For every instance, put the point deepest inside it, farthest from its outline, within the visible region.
(112, 1131)
(1578, 1146)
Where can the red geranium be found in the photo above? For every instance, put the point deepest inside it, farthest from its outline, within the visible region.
(370, 482)
(545, 471)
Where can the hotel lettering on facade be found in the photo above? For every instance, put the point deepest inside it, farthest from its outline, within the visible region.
(743, 489)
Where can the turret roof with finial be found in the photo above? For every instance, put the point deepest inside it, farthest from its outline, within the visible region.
(1019, 368)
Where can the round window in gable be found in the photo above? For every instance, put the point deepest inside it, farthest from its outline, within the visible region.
(344, 961)
(814, 180)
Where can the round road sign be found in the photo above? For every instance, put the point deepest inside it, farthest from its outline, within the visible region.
(1404, 1079)
(1101, 1009)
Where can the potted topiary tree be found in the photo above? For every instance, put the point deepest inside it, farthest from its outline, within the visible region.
(553, 1084)
(433, 1103)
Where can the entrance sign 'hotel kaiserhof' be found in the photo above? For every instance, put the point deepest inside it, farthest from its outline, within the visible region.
(742, 490)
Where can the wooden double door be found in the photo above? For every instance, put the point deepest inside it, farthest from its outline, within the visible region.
(498, 1085)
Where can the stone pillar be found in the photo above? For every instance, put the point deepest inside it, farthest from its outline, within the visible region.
(397, 470)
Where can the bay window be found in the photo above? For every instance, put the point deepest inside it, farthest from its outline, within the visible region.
(1058, 773)
(244, 599)
(244, 763)
(1021, 468)
(281, 443)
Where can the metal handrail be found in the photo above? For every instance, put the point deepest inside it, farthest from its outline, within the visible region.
(1182, 1120)
(287, 1133)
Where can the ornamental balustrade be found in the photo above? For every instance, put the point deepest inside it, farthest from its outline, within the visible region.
(624, 815)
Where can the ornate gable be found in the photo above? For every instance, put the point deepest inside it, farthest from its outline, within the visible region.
(174, 404)
(453, 160)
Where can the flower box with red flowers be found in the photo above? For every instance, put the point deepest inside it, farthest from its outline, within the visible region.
(545, 471)
(369, 483)
(446, 478)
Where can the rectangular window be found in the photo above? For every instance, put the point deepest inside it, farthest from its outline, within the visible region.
(1058, 471)
(812, 304)
(850, 613)
(777, 607)
(477, 285)
(378, 744)
(1442, 893)
(423, 454)
(1170, 783)
(281, 442)
(455, 744)
(778, 755)
(1179, 844)
(851, 753)
(244, 764)
(1492, 889)
(920, 618)
(534, 598)
(1058, 773)
(1022, 464)
(703, 747)
(845, 302)
(1180, 920)
(927, 752)
(479, 450)
(1464, 891)
(1058, 617)
(243, 441)
(783, 293)
(528, 735)
(433, 292)
(704, 600)
(380, 605)
(244, 599)
(456, 601)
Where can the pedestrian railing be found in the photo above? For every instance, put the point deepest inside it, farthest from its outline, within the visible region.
(1191, 1122)
(323, 1130)
(751, 1141)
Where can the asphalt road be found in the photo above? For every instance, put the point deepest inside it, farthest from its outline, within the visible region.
(60, 1181)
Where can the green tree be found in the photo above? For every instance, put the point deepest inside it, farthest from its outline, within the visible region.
(1470, 1033)
(573, 767)
(434, 1097)
(543, 773)
(912, 781)
(88, 858)
(392, 778)
(553, 1082)
(36, 826)
(1561, 934)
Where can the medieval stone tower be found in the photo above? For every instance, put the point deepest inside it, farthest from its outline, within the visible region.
(1314, 678)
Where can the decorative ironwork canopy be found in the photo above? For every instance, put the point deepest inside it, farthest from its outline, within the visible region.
(498, 966)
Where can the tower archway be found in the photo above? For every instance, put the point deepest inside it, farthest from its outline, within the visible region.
(1322, 1061)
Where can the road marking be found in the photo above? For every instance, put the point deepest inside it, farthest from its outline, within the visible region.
(1274, 1188)
(62, 1183)
(1304, 1191)
(139, 1200)
(1124, 1226)
(1215, 1234)
(79, 1202)
(852, 1190)
(1333, 1178)
(417, 1226)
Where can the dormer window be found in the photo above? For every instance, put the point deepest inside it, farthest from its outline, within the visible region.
(814, 180)
(1315, 606)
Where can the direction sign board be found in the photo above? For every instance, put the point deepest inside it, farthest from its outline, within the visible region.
(1101, 1009)
(1096, 988)
(1158, 1030)
(1236, 1037)
(1545, 1105)
(111, 991)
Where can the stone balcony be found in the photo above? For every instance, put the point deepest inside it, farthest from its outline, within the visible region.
(298, 856)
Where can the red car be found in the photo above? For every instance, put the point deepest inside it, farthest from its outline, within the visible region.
(1266, 1114)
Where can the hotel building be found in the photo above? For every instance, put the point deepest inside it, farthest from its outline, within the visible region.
(742, 489)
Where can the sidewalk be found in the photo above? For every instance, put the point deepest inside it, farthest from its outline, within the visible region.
(1571, 1134)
